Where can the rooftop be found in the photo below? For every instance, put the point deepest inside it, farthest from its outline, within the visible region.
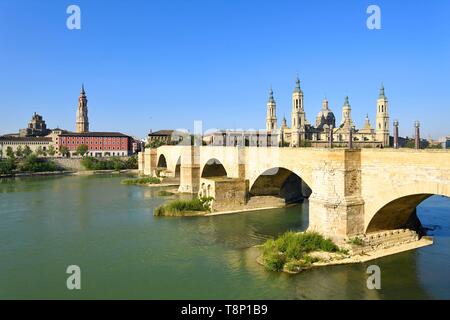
(94, 134)
(162, 133)
(30, 139)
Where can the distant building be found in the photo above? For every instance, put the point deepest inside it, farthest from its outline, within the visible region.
(137, 145)
(445, 142)
(36, 127)
(100, 144)
(166, 136)
(318, 134)
(250, 138)
(34, 143)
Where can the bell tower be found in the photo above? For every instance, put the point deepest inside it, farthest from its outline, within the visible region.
(382, 126)
(298, 116)
(271, 119)
(82, 123)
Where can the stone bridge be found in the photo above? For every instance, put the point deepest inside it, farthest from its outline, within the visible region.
(352, 192)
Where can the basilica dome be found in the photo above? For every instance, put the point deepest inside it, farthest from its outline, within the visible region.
(325, 116)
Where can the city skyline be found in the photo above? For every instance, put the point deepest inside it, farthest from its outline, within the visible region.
(165, 66)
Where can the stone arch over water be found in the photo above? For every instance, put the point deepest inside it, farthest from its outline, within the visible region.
(213, 168)
(281, 182)
(395, 208)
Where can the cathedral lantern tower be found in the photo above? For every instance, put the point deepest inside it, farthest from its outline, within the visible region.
(298, 116)
(382, 124)
(271, 119)
(82, 123)
(347, 121)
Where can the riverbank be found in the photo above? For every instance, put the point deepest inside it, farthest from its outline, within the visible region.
(68, 173)
(404, 240)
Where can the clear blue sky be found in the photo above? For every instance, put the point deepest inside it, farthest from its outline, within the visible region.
(163, 64)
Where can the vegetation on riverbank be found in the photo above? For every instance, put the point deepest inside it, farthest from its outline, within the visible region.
(113, 163)
(27, 164)
(356, 241)
(292, 251)
(141, 181)
(179, 208)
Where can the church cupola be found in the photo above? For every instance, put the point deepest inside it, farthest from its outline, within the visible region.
(325, 116)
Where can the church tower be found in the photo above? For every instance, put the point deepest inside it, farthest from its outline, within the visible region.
(298, 116)
(382, 126)
(347, 121)
(271, 119)
(82, 123)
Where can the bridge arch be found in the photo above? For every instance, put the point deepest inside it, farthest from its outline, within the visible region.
(397, 209)
(280, 182)
(162, 162)
(213, 168)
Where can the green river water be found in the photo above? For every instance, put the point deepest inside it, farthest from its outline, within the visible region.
(108, 230)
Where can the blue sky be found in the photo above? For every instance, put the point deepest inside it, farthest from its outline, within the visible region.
(163, 64)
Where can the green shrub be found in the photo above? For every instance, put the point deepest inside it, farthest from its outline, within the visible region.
(7, 166)
(34, 164)
(274, 261)
(356, 241)
(131, 162)
(141, 181)
(178, 207)
(114, 163)
(294, 248)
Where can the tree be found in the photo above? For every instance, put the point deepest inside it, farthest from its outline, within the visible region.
(19, 152)
(7, 166)
(39, 151)
(1, 153)
(27, 151)
(10, 153)
(64, 151)
(154, 144)
(51, 151)
(82, 149)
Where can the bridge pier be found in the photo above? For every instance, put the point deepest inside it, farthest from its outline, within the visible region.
(189, 178)
(190, 171)
(336, 207)
(147, 162)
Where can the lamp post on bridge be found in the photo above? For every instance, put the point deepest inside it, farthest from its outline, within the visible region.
(330, 137)
(350, 137)
(417, 137)
(396, 134)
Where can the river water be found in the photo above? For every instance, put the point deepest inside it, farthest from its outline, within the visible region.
(108, 230)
